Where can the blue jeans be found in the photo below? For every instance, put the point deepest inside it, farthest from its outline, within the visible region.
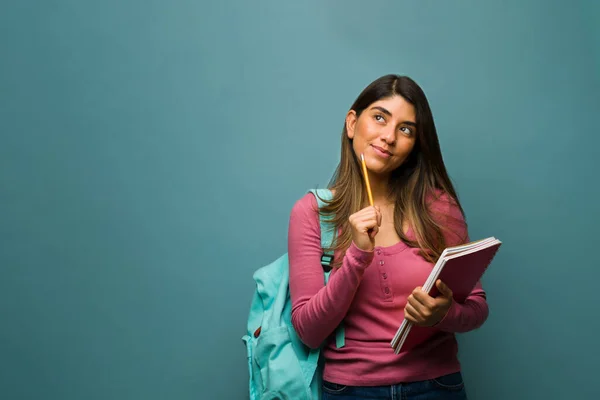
(447, 387)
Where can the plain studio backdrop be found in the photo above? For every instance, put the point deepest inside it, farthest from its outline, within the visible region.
(151, 151)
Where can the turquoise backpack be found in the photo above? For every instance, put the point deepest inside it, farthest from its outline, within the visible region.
(280, 365)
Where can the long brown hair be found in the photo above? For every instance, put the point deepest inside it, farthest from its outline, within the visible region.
(413, 185)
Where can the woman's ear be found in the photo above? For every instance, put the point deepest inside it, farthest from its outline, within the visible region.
(350, 123)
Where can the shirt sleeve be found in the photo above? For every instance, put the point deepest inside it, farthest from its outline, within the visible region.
(473, 312)
(317, 309)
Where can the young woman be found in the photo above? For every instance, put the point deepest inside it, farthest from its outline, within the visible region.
(383, 253)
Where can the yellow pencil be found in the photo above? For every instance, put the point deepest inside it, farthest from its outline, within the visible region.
(364, 166)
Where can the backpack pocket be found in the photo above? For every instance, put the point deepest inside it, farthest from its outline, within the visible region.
(255, 384)
(280, 370)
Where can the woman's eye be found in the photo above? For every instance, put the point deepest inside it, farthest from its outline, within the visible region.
(406, 130)
(379, 118)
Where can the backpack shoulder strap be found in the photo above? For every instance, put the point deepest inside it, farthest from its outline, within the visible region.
(327, 237)
(327, 229)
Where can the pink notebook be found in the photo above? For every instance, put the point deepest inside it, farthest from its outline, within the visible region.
(460, 268)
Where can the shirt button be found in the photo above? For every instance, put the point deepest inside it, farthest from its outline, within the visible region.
(381, 262)
(384, 275)
(378, 252)
(387, 290)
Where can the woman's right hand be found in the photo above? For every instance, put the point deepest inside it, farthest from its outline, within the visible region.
(365, 225)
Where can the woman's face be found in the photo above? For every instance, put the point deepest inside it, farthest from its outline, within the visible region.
(385, 132)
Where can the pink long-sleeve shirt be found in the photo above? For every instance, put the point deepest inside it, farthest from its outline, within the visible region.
(368, 293)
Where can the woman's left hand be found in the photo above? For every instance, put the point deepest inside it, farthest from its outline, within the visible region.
(424, 310)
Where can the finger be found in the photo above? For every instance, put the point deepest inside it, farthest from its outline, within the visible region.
(409, 317)
(366, 213)
(410, 311)
(373, 232)
(423, 298)
(372, 209)
(364, 226)
(366, 209)
(443, 288)
(371, 222)
(378, 216)
(365, 218)
(422, 310)
(362, 214)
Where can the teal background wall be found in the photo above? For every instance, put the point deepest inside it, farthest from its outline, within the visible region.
(150, 153)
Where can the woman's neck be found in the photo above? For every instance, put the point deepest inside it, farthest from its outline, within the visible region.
(380, 189)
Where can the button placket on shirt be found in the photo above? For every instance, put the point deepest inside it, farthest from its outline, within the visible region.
(383, 277)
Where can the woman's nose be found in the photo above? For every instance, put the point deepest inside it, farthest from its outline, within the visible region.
(389, 136)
